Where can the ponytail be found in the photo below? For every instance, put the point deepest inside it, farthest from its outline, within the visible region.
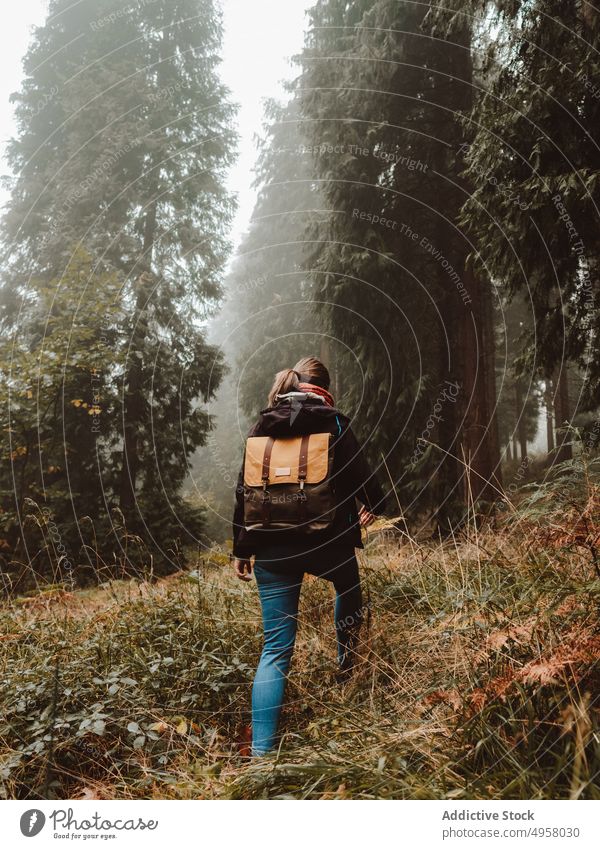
(313, 371)
(287, 380)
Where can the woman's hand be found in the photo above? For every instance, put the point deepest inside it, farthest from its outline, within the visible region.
(243, 569)
(365, 518)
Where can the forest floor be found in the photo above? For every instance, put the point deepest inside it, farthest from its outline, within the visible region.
(479, 678)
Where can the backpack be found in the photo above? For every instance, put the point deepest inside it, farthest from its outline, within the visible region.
(288, 483)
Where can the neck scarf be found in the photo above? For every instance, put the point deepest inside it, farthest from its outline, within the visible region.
(317, 390)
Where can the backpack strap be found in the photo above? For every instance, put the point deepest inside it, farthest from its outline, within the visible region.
(302, 471)
(266, 498)
(266, 464)
(303, 461)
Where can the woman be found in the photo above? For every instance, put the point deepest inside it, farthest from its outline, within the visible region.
(300, 403)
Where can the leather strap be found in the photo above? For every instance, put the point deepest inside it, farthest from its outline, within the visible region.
(266, 498)
(267, 458)
(303, 460)
(302, 470)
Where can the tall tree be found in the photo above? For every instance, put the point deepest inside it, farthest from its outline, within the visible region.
(124, 140)
(534, 165)
(384, 96)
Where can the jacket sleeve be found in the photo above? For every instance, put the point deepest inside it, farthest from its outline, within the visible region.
(358, 473)
(241, 547)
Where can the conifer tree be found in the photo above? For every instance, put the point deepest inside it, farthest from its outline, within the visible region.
(385, 98)
(534, 167)
(124, 138)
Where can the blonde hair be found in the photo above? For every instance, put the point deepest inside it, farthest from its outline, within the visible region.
(308, 370)
(287, 380)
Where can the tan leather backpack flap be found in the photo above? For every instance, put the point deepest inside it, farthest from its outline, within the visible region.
(283, 459)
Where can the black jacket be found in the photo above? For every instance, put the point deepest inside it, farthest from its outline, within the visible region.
(352, 475)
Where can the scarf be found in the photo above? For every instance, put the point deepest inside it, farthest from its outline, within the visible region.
(318, 390)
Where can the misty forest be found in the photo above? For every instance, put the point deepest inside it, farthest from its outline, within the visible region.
(425, 223)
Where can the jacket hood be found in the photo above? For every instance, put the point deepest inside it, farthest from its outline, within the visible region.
(299, 413)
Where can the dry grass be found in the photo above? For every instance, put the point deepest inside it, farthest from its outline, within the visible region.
(478, 678)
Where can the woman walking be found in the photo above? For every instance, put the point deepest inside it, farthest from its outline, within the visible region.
(296, 512)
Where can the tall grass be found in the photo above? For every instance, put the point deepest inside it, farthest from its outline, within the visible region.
(478, 676)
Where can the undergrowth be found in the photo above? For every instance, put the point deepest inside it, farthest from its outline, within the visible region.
(478, 678)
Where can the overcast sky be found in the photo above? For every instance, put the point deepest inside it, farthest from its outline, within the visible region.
(260, 38)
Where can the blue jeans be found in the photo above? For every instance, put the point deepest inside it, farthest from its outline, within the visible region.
(279, 574)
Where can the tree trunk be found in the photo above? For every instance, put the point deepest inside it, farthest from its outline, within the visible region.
(133, 401)
(449, 475)
(549, 417)
(448, 478)
(479, 448)
(132, 410)
(479, 441)
(521, 419)
(563, 415)
(489, 342)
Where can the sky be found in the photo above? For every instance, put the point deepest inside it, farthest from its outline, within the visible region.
(261, 36)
